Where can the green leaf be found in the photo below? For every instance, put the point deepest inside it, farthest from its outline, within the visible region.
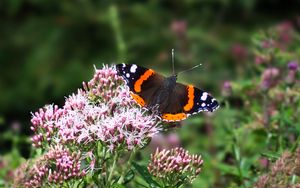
(227, 169)
(146, 175)
(271, 155)
(129, 176)
(236, 152)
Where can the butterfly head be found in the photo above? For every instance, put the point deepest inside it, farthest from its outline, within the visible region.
(170, 82)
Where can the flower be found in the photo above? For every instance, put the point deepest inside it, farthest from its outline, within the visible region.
(292, 72)
(285, 30)
(268, 43)
(179, 27)
(44, 121)
(175, 166)
(57, 166)
(293, 65)
(227, 88)
(282, 171)
(269, 78)
(103, 112)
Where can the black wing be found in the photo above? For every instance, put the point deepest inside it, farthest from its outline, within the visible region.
(188, 100)
(143, 82)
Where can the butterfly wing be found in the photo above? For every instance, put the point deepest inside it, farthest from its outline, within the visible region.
(188, 100)
(142, 82)
(148, 89)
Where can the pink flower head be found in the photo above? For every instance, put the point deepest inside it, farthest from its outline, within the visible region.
(291, 77)
(174, 166)
(227, 88)
(128, 128)
(285, 30)
(56, 167)
(104, 112)
(268, 43)
(293, 65)
(269, 78)
(44, 121)
(179, 27)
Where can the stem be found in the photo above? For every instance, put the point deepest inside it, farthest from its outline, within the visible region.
(80, 182)
(116, 26)
(131, 157)
(266, 117)
(112, 169)
(238, 159)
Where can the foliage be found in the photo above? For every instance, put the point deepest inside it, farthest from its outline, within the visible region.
(248, 50)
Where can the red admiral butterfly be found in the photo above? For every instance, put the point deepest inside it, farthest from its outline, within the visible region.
(174, 101)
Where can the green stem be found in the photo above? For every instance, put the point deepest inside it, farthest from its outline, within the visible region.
(131, 157)
(238, 159)
(112, 169)
(116, 26)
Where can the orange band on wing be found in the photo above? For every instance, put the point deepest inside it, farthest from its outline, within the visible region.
(139, 82)
(138, 99)
(191, 95)
(174, 117)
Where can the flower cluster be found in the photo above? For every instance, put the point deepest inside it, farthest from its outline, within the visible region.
(175, 166)
(57, 166)
(269, 78)
(281, 171)
(292, 72)
(44, 123)
(227, 88)
(103, 111)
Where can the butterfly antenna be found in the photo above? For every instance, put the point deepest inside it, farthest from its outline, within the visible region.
(173, 61)
(189, 69)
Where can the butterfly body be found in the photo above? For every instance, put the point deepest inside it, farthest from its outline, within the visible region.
(173, 101)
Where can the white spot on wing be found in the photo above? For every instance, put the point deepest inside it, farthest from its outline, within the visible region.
(203, 104)
(123, 65)
(204, 96)
(127, 75)
(133, 68)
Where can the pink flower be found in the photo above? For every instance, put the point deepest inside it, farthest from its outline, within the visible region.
(291, 77)
(269, 78)
(285, 28)
(56, 167)
(104, 112)
(175, 166)
(293, 65)
(44, 121)
(260, 59)
(269, 43)
(227, 88)
(179, 27)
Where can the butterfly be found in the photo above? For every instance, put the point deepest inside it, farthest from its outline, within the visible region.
(173, 101)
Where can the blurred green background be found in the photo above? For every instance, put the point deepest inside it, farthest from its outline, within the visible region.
(47, 48)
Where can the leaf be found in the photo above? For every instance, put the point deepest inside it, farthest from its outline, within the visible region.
(145, 175)
(271, 155)
(227, 169)
(129, 176)
(236, 152)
